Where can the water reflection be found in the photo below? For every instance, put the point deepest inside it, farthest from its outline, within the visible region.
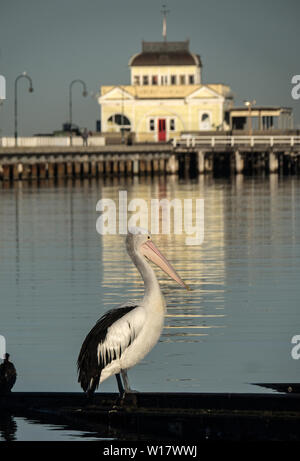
(186, 314)
(8, 427)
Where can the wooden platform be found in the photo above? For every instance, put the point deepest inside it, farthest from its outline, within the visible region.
(184, 416)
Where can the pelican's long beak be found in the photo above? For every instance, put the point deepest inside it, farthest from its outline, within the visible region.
(151, 252)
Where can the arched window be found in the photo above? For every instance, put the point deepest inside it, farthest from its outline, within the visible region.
(119, 122)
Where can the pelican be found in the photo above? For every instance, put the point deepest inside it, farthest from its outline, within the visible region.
(123, 336)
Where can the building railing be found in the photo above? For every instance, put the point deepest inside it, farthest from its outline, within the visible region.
(59, 141)
(232, 141)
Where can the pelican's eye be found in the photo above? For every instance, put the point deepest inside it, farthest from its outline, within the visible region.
(149, 237)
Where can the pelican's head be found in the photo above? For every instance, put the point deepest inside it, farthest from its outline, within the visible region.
(139, 240)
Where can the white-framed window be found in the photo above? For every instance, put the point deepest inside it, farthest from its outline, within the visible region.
(145, 80)
(173, 79)
(136, 80)
(152, 124)
(172, 124)
(191, 79)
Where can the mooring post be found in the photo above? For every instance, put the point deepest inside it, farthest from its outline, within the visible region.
(239, 162)
(273, 162)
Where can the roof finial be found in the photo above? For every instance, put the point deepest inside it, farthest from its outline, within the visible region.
(164, 12)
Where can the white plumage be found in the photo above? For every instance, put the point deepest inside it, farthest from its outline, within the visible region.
(123, 336)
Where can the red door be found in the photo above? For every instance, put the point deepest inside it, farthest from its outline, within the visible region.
(161, 129)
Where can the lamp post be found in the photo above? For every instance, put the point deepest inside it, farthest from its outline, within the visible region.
(84, 94)
(249, 104)
(30, 89)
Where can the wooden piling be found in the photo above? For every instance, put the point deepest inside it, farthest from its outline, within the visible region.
(51, 170)
(107, 167)
(69, 169)
(148, 167)
(273, 162)
(239, 162)
(115, 167)
(161, 166)
(42, 170)
(6, 175)
(15, 171)
(85, 169)
(121, 167)
(201, 162)
(129, 167)
(93, 169)
(60, 170)
(155, 166)
(208, 163)
(100, 168)
(34, 171)
(77, 169)
(142, 167)
(135, 167)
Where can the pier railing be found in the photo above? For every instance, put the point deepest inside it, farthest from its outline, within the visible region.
(55, 141)
(236, 141)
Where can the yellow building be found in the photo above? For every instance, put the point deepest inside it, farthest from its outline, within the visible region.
(166, 96)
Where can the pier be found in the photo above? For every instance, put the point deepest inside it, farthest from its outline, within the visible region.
(186, 156)
(172, 416)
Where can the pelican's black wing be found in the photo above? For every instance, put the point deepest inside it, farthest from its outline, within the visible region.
(90, 363)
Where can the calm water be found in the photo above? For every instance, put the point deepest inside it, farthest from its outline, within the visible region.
(58, 276)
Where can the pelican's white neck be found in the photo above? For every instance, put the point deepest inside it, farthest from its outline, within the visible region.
(152, 288)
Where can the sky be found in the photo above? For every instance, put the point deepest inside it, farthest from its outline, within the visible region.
(253, 46)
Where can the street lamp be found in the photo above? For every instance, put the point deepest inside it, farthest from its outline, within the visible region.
(84, 94)
(30, 89)
(249, 104)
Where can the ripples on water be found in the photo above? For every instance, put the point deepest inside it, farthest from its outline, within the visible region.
(58, 276)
